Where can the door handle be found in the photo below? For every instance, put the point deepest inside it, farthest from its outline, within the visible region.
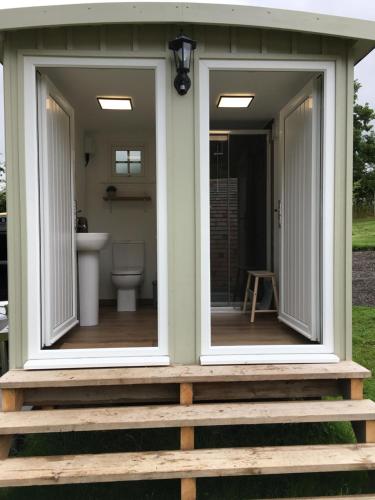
(279, 213)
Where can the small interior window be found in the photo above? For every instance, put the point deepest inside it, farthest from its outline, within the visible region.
(128, 162)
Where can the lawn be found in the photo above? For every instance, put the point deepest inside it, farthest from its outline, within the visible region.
(364, 343)
(364, 234)
(241, 488)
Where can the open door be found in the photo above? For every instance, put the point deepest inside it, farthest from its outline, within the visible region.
(56, 186)
(299, 214)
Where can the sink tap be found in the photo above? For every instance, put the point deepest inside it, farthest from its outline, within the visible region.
(81, 225)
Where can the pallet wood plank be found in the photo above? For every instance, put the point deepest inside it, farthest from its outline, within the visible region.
(11, 401)
(186, 394)
(169, 393)
(106, 395)
(369, 431)
(185, 464)
(278, 389)
(180, 374)
(141, 417)
(186, 438)
(188, 489)
(353, 389)
(5, 445)
(341, 497)
(188, 485)
(186, 432)
(364, 431)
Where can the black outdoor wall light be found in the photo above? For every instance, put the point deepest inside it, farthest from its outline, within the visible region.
(182, 47)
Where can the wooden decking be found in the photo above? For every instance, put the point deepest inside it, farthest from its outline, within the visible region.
(110, 467)
(187, 413)
(139, 329)
(178, 374)
(163, 416)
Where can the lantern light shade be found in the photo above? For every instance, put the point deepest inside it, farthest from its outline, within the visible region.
(182, 47)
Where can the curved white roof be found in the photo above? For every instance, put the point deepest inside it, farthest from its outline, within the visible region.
(238, 13)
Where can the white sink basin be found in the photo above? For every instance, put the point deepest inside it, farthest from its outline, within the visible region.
(91, 242)
(88, 247)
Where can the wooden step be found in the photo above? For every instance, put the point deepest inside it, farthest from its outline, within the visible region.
(18, 379)
(185, 464)
(142, 417)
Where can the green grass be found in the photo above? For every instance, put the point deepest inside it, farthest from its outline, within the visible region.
(364, 343)
(240, 488)
(364, 234)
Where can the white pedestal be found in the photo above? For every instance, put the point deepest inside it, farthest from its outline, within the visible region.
(88, 273)
(126, 300)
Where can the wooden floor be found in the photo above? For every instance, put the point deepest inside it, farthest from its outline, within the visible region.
(115, 329)
(139, 329)
(235, 329)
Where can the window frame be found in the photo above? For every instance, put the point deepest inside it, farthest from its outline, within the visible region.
(127, 147)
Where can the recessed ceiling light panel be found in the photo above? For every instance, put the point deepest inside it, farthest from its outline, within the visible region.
(235, 101)
(115, 103)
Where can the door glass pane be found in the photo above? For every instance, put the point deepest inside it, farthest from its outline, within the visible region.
(248, 237)
(238, 180)
(219, 228)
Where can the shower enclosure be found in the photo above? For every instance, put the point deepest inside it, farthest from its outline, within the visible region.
(239, 211)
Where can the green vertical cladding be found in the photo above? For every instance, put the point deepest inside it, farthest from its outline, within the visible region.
(148, 40)
(182, 227)
(349, 202)
(16, 240)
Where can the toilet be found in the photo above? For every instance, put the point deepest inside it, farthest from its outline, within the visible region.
(127, 272)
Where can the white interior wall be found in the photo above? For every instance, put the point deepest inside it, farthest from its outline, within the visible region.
(124, 220)
(137, 220)
(80, 169)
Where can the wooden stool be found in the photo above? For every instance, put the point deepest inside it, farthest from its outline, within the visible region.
(257, 276)
(3, 352)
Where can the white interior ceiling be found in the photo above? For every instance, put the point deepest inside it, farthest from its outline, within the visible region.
(81, 87)
(272, 90)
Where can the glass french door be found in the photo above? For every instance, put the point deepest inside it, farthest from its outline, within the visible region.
(238, 212)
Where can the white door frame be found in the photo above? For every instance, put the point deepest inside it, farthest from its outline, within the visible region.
(323, 352)
(37, 358)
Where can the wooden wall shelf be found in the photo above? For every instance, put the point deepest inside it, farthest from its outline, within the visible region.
(128, 198)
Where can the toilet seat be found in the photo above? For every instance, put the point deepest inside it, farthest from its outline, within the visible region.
(127, 271)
